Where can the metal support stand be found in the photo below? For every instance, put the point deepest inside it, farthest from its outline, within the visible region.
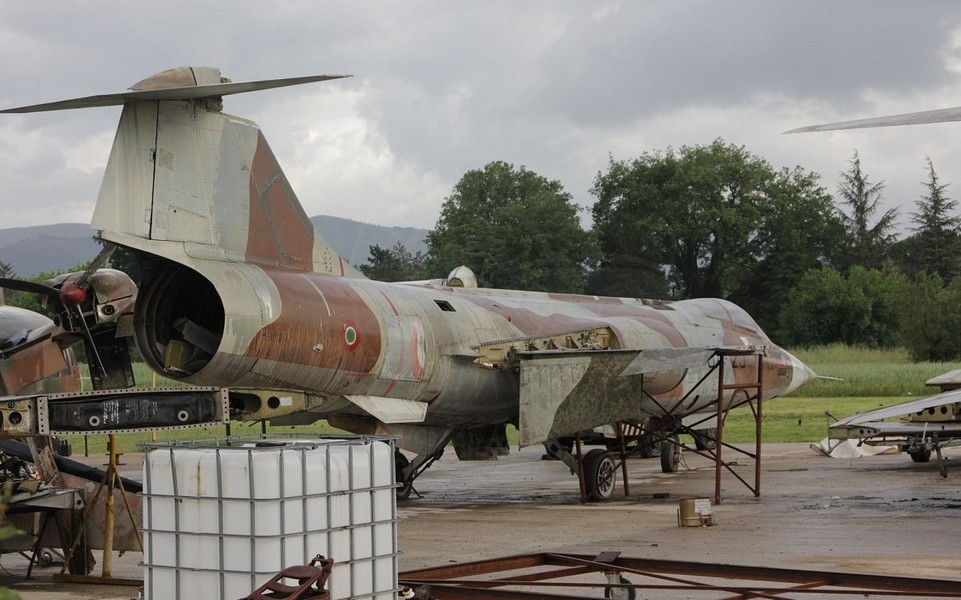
(668, 427)
(722, 413)
(111, 481)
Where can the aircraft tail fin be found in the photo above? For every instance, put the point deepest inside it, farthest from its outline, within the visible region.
(184, 178)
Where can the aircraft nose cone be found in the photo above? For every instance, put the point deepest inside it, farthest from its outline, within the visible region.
(801, 373)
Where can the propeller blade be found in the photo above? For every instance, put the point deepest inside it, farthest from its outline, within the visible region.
(28, 286)
(941, 115)
(102, 257)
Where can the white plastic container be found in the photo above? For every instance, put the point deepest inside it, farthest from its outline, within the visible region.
(222, 518)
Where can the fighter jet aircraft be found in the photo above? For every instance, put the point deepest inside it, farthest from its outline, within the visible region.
(239, 290)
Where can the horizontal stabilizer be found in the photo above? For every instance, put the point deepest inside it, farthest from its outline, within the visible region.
(941, 115)
(392, 410)
(166, 86)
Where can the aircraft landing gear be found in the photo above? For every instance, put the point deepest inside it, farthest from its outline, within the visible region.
(401, 463)
(600, 474)
(705, 439)
(670, 454)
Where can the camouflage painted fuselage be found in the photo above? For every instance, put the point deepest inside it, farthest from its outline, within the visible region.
(239, 291)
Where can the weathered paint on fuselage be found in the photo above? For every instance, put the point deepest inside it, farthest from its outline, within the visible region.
(336, 336)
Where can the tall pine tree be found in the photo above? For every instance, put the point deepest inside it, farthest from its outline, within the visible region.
(935, 247)
(868, 245)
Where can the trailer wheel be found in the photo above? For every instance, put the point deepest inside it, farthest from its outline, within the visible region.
(920, 455)
(600, 474)
(621, 593)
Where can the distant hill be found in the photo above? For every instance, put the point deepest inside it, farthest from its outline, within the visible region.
(353, 239)
(45, 248)
(57, 247)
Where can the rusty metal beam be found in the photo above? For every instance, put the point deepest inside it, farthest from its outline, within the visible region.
(454, 582)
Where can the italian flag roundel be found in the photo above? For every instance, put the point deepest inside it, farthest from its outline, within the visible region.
(351, 335)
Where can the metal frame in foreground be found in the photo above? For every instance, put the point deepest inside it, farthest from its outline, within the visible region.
(551, 576)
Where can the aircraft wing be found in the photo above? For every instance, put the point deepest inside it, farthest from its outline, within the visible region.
(872, 424)
(940, 115)
(566, 391)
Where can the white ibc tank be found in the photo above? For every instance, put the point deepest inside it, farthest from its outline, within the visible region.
(222, 518)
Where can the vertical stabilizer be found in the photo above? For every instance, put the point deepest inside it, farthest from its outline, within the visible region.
(186, 180)
(182, 171)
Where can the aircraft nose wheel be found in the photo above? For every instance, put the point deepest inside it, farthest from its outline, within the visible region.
(600, 474)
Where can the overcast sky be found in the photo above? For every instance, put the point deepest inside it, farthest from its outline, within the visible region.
(440, 88)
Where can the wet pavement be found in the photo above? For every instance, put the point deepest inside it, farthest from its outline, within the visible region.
(882, 515)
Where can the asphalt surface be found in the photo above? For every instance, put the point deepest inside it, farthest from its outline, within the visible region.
(879, 515)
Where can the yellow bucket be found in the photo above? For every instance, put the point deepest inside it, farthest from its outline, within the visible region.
(694, 512)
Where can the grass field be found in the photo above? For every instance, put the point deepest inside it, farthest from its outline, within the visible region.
(869, 379)
(867, 372)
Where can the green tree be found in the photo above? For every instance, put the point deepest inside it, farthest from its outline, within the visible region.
(932, 318)
(394, 264)
(629, 227)
(867, 245)
(514, 229)
(799, 229)
(710, 221)
(860, 309)
(692, 211)
(121, 259)
(935, 246)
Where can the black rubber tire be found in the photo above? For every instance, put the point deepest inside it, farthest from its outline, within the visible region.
(920, 455)
(600, 474)
(670, 455)
(706, 439)
(648, 446)
(401, 462)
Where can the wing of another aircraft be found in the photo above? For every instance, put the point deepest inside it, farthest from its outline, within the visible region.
(936, 415)
(941, 115)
